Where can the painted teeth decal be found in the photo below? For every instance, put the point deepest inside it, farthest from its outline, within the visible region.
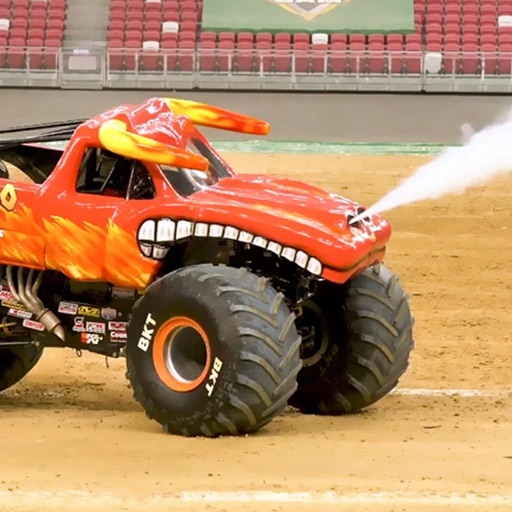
(147, 230)
(231, 233)
(275, 248)
(314, 266)
(245, 237)
(301, 259)
(184, 229)
(156, 236)
(260, 242)
(165, 230)
(216, 230)
(288, 253)
(201, 229)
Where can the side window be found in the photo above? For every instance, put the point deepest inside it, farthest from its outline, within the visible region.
(107, 174)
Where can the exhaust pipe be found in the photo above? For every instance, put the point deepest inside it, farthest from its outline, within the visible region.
(26, 293)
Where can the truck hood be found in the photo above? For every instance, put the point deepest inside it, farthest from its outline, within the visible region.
(294, 215)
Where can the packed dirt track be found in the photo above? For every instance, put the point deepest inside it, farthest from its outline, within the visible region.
(74, 439)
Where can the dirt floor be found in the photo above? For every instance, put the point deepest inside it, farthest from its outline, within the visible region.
(72, 425)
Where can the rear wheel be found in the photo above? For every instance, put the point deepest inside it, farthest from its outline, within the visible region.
(356, 343)
(212, 351)
(18, 361)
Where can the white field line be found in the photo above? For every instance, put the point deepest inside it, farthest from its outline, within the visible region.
(463, 393)
(99, 499)
(425, 392)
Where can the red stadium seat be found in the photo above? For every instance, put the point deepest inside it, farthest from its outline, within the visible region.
(338, 62)
(413, 38)
(301, 37)
(357, 57)
(186, 52)
(395, 39)
(452, 18)
(263, 55)
(16, 53)
(413, 58)
(245, 57)
(131, 55)
(301, 56)
(339, 38)
(226, 55)
(470, 58)
(283, 37)
(505, 58)
(452, 9)
(357, 39)
(263, 37)
(153, 17)
(395, 57)
(243, 37)
(227, 36)
(452, 58)
(150, 60)
(451, 38)
(187, 35)
(490, 61)
(376, 57)
(376, 38)
(190, 17)
(470, 39)
(208, 36)
(207, 54)
(282, 57)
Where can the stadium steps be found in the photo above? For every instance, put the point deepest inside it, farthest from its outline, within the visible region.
(87, 24)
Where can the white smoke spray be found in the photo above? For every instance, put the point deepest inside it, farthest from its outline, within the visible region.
(483, 156)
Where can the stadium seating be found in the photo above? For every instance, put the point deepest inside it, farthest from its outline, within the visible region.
(152, 35)
(31, 33)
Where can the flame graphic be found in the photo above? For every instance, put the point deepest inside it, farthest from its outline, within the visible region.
(115, 137)
(17, 245)
(216, 117)
(83, 252)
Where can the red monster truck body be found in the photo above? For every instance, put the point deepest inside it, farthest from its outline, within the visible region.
(139, 193)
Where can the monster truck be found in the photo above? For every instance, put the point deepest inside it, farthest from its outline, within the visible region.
(231, 295)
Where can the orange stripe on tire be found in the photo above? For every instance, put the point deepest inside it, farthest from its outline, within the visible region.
(162, 335)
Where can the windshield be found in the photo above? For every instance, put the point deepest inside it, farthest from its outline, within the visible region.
(188, 181)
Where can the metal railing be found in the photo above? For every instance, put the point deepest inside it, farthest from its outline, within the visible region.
(256, 69)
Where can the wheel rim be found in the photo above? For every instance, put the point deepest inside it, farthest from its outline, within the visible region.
(315, 334)
(182, 354)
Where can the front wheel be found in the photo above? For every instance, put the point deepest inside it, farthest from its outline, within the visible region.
(357, 340)
(16, 363)
(212, 351)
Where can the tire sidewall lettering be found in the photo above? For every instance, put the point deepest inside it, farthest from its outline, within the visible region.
(141, 338)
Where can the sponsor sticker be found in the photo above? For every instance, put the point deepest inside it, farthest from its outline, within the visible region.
(88, 311)
(118, 335)
(6, 295)
(68, 308)
(32, 324)
(123, 293)
(108, 313)
(90, 338)
(117, 326)
(95, 327)
(79, 324)
(19, 313)
(13, 304)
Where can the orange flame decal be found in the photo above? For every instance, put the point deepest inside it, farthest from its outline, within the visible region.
(69, 251)
(115, 137)
(215, 117)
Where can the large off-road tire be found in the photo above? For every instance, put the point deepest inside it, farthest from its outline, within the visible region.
(212, 350)
(16, 363)
(359, 347)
